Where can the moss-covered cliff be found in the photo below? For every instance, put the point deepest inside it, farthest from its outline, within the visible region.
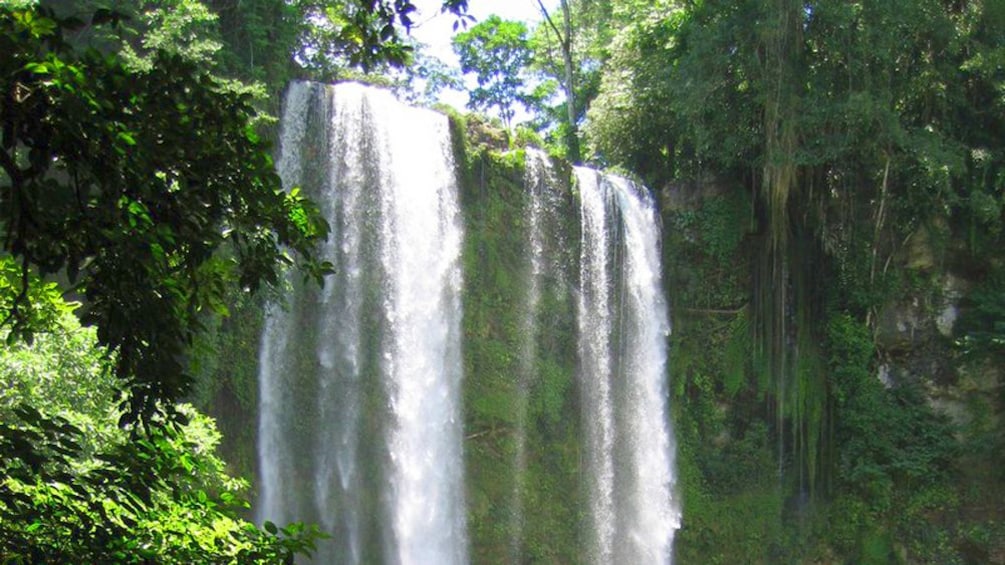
(888, 451)
(910, 431)
(539, 503)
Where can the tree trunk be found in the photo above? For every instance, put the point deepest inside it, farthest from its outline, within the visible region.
(565, 42)
(572, 140)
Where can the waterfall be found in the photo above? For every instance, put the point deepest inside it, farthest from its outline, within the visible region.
(541, 238)
(360, 422)
(623, 324)
(360, 426)
(536, 182)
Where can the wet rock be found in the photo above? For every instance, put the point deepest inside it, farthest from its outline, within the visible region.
(953, 290)
(900, 326)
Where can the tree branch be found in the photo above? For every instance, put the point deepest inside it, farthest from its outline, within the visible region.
(547, 18)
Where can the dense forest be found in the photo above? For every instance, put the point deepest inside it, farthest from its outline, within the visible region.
(831, 179)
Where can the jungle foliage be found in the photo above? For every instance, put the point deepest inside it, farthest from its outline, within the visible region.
(497, 52)
(821, 163)
(76, 486)
(132, 178)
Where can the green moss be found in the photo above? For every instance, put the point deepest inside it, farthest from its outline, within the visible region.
(224, 362)
(497, 402)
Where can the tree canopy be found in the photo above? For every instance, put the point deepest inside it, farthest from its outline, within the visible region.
(144, 190)
(76, 487)
(128, 184)
(497, 52)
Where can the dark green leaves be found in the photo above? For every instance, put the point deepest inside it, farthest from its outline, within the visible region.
(37, 24)
(133, 182)
(103, 16)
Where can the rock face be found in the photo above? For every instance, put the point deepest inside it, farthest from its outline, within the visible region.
(901, 326)
(917, 319)
(953, 290)
(916, 339)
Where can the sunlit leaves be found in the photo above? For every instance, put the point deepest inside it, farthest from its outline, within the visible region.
(134, 181)
(498, 53)
(181, 27)
(28, 304)
(63, 371)
(76, 487)
(136, 500)
(35, 24)
(357, 33)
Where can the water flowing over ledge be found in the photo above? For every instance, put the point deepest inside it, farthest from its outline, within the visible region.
(623, 326)
(361, 422)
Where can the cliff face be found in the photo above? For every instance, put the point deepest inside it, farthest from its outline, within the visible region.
(909, 451)
(888, 450)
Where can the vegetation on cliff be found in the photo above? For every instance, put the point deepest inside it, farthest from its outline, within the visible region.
(832, 175)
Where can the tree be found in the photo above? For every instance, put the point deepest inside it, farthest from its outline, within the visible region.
(182, 27)
(146, 192)
(498, 52)
(364, 32)
(564, 38)
(128, 184)
(630, 122)
(261, 42)
(425, 77)
(853, 128)
(74, 487)
(136, 500)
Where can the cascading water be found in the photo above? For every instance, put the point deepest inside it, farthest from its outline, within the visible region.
(542, 238)
(536, 183)
(359, 426)
(629, 454)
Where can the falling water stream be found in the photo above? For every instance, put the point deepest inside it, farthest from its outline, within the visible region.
(622, 341)
(360, 424)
